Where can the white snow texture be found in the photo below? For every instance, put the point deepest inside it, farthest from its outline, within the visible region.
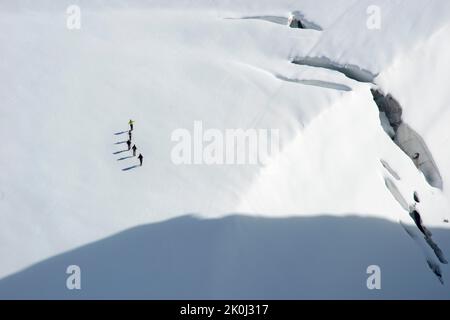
(335, 199)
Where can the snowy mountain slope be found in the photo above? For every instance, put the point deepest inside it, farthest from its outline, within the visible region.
(428, 110)
(78, 89)
(65, 94)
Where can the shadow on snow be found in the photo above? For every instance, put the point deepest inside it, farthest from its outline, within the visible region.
(239, 257)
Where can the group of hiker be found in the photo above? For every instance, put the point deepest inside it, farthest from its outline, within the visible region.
(134, 148)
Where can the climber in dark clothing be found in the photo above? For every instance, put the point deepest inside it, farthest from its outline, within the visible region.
(141, 158)
(129, 144)
(416, 156)
(134, 150)
(416, 197)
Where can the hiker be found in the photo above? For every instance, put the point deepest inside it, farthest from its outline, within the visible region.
(134, 150)
(140, 158)
(416, 156)
(129, 134)
(129, 144)
(131, 122)
(416, 197)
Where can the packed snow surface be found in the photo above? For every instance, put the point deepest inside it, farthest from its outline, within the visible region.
(334, 199)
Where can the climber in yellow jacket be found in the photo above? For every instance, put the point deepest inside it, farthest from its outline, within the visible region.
(131, 122)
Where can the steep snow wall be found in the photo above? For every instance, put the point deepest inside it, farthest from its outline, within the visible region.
(414, 146)
(407, 139)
